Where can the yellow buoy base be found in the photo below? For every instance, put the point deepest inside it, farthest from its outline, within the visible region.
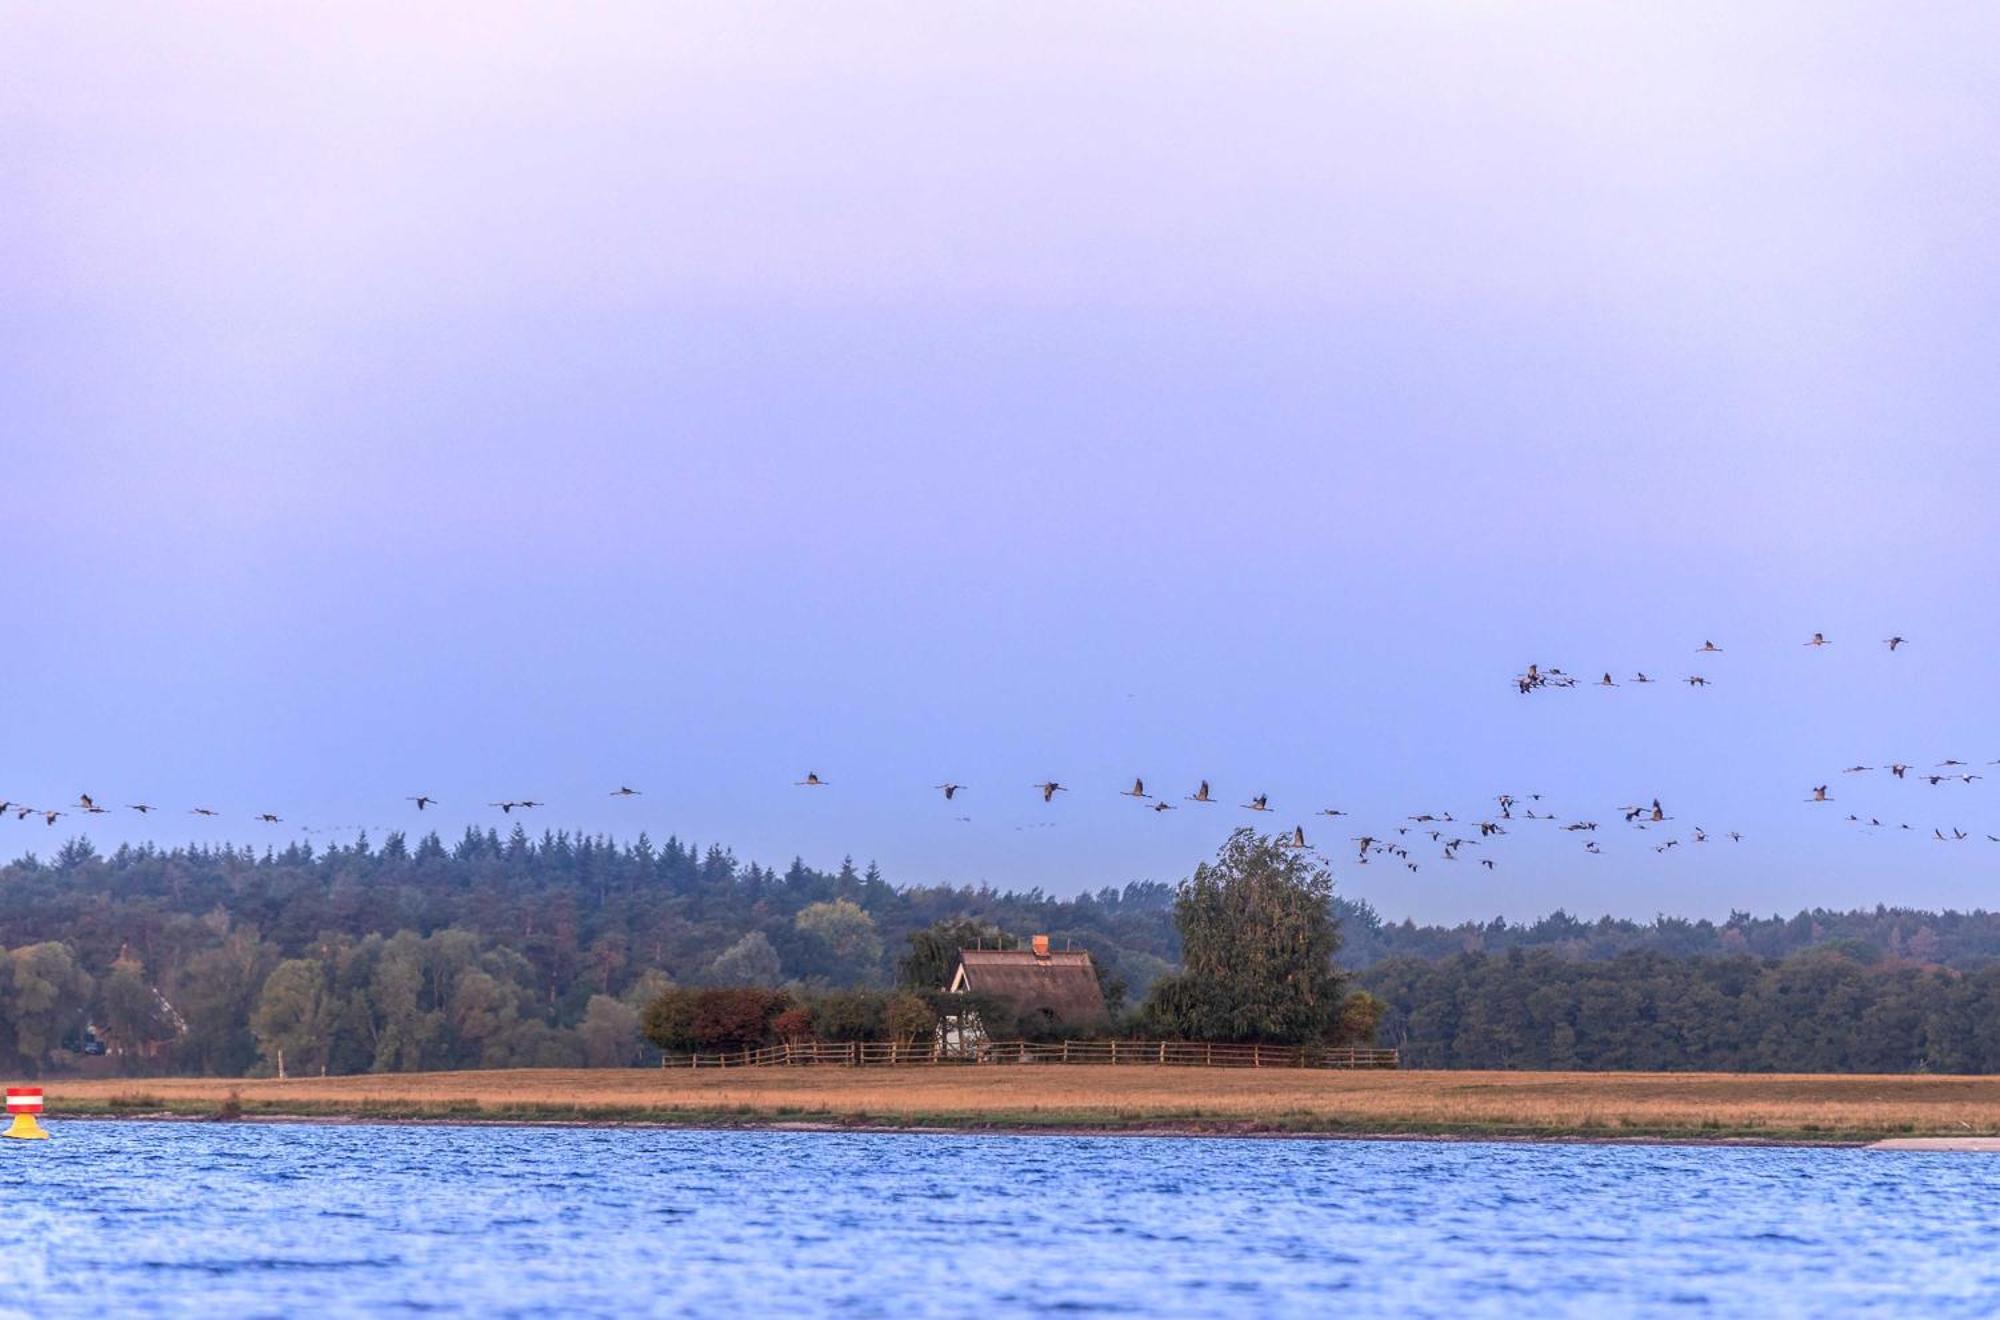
(25, 1128)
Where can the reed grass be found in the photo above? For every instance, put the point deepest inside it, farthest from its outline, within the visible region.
(1690, 1105)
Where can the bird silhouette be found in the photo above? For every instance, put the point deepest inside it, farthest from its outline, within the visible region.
(1162, 806)
(1819, 794)
(1050, 788)
(1138, 790)
(1818, 639)
(267, 818)
(949, 790)
(83, 800)
(1200, 794)
(203, 811)
(1708, 648)
(141, 807)
(1893, 642)
(622, 791)
(1641, 678)
(422, 801)
(1262, 802)
(812, 780)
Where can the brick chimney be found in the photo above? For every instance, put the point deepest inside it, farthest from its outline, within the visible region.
(1041, 943)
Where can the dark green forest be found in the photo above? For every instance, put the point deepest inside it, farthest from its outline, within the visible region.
(1823, 1010)
(497, 950)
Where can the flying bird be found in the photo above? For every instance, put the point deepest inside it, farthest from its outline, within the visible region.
(1138, 790)
(1050, 789)
(83, 800)
(622, 791)
(1297, 838)
(1162, 806)
(1200, 794)
(812, 780)
(1818, 639)
(1893, 642)
(1259, 803)
(1708, 648)
(1819, 794)
(422, 800)
(267, 818)
(949, 790)
(1695, 680)
(202, 811)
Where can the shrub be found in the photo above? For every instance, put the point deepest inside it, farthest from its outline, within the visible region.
(686, 1019)
(846, 1015)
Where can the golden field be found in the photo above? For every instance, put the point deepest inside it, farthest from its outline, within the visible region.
(1683, 1105)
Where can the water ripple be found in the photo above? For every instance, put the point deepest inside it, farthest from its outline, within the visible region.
(168, 1219)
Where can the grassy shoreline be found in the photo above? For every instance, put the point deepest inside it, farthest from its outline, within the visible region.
(1136, 1101)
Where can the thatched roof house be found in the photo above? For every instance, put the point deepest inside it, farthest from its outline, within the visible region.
(1058, 987)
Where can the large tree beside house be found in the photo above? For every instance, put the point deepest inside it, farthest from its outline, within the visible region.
(1258, 937)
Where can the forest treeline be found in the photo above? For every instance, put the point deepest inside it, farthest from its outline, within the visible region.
(1822, 1010)
(497, 949)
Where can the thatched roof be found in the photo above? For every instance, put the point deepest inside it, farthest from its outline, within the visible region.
(1062, 983)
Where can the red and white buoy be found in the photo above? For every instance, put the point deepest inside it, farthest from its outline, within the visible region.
(24, 1106)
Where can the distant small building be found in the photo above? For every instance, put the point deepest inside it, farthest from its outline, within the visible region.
(1054, 989)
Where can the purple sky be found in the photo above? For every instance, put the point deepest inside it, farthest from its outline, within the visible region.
(503, 400)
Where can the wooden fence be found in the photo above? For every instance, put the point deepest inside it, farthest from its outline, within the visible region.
(1159, 1053)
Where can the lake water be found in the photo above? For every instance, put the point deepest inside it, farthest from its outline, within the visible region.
(226, 1219)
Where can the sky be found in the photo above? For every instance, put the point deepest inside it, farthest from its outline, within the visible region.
(502, 400)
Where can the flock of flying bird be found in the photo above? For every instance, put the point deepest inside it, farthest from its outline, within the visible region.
(1441, 828)
(1450, 835)
(1535, 677)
